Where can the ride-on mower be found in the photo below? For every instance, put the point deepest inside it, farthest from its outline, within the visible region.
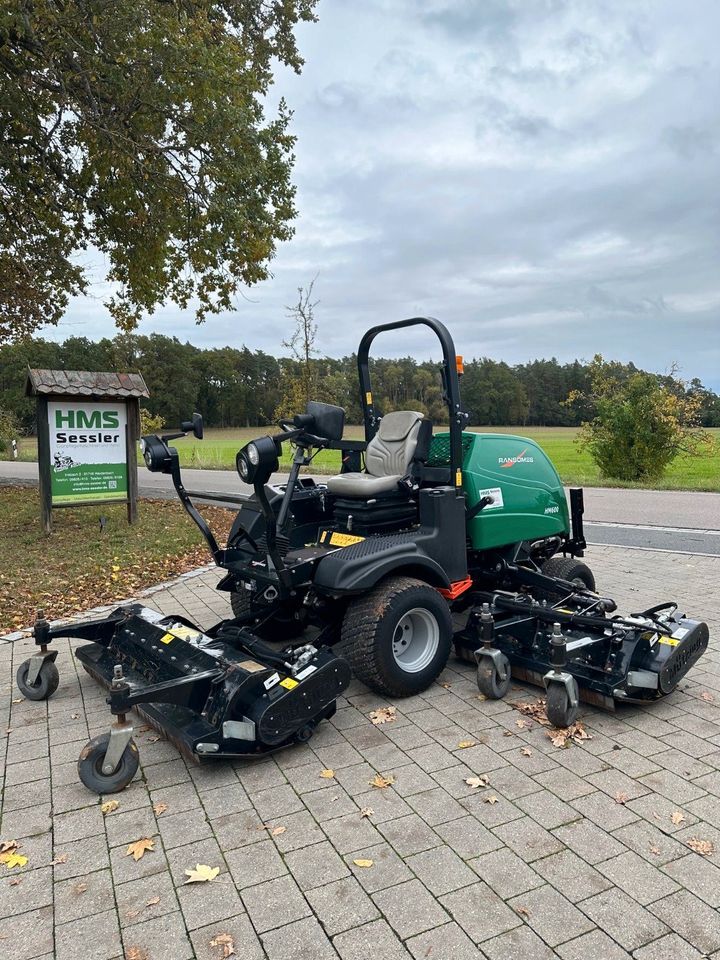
(364, 571)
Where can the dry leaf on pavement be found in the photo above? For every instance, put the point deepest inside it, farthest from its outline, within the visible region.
(60, 858)
(490, 799)
(707, 696)
(526, 752)
(109, 806)
(677, 817)
(137, 849)
(622, 798)
(564, 736)
(135, 953)
(481, 781)
(704, 847)
(383, 715)
(227, 943)
(153, 902)
(159, 808)
(11, 859)
(16, 881)
(366, 812)
(80, 887)
(536, 710)
(464, 744)
(381, 782)
(7, 846)
(202, 873)
(523, 911)
(363, 863)
(327, 774)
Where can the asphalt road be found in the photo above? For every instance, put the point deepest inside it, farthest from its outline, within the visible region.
(673, 520)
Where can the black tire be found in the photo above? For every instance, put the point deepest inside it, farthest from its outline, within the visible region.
(281, 626)
(566, 568)
(371, 643)
(490, 683)
(45, 685)
(559, 711)
(90, 766)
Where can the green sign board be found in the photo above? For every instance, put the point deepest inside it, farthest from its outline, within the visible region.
(88, 455)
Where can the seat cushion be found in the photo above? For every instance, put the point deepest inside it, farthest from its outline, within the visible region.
(361, 484)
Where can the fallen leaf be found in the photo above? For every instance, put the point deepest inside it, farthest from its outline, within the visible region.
(464, 744)
(523, 911)
(19, 700)
(327, 774)
(535, 710)
(622, 798)
(490, 799)
(137, 849)
(366, 812)
(80, 887)
(227, 943)
(7, 846)
(481, 696)
(202, 873)
(526, 752)
(74, 716)
(707, 696)
(381, 782)
(109, 806)
(15, 881)
(363, 863)
(704, 847)
(655, 851)
(564, 736)
(277, 831)
(508, 733)
(131, 914)
(383, 715)
(446, 685)
(135, 953)
(61, 858)
(153, 902)
(522, 724)
(481, 781)
(153, 739)
(159, 808)
(677, 817)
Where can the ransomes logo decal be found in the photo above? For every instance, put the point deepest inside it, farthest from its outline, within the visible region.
(507, 462)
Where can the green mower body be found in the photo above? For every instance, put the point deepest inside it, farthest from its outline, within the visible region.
(527, 500)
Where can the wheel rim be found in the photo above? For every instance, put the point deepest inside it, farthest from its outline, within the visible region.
(416, 640)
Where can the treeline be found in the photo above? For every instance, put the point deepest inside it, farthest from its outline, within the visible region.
(240, 387)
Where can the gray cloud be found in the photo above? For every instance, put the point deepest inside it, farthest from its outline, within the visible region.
(541, 175)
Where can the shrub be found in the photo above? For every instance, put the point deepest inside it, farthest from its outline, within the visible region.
(9, 430)
(150, 422)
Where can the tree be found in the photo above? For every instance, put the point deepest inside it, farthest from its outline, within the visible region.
(640, 424)
(139, 128)
(300, 375)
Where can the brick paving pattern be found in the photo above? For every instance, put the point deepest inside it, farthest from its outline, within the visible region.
(584, 855)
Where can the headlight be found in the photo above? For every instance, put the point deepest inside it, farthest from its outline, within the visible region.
(257, 460)
(242, 465)
(252, 454)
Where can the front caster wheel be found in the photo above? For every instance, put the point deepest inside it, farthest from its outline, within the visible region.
(560, 711)
(493, 676)
(45, 685)
(90, 765)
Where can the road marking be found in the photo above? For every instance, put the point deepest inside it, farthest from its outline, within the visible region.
(652, 527)
(625, 546)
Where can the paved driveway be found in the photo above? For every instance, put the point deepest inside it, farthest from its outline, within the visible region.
(583, 854)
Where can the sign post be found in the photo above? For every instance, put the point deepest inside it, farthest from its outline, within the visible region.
(88, 427)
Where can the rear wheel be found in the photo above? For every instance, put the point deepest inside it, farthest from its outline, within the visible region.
(565, 568)
(397, 637)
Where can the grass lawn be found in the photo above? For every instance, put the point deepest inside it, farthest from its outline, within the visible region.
(78, 566)
(217, 452)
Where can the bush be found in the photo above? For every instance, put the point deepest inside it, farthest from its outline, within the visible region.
(640, 422)
(150, 422)
(9, 431)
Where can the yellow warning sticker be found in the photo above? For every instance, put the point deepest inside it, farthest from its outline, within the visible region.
(670, 641)
(184, 633)
(368, 398)
(289, 683)
(167, 638)
(458, 478)
(344, 539)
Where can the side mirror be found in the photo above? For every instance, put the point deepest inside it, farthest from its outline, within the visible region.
(194, 426)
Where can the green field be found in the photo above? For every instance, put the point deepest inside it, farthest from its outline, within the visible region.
(217, 452)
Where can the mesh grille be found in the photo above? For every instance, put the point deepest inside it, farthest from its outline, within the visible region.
(440, 449)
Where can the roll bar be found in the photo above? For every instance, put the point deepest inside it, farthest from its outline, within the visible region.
(451, 386)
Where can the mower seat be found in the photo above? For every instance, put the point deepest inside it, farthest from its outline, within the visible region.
(387, 458)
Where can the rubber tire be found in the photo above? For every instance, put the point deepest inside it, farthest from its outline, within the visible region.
(47, 682)
(90, 766)
(566, 568)
(558, 709)
(289, 627)
(488, 679)
(368, 629)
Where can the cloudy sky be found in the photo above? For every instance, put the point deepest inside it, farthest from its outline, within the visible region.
(542, 175)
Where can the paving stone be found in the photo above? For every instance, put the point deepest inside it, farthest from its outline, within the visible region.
(341, 905)
(513, 783)
(604, 811)
(623, 919)
(136, 900)
(276, 802)
(692, 919)
(101, 930)
(351, 832)
(518, 944)
(591, 946)
(77, 825)
(547, 810)
(223, 801)
(304, 939)
(316, 865)
(163, 938)
(275, 903)
(480, 912)
(588, 841)
(659, 810)
(387, 869)
(127, 868)
(445, 941)
(529, 840)
(410, 909)
(571, 875)
(506, 873)
(203, 903)
(670, 946)
(301, 830)
(676, 788)
(245, 941)
(408, 835)
(30, 822)
(411, 779)
(697, 875)
(551, 915)
(124, 828)
(652, 844)
(387, 804)
(491, 814)
(34, 891)
(353, 944)
(637, 877)
(255, 863)
(441, 870)
(632, 763)
(83, 896)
